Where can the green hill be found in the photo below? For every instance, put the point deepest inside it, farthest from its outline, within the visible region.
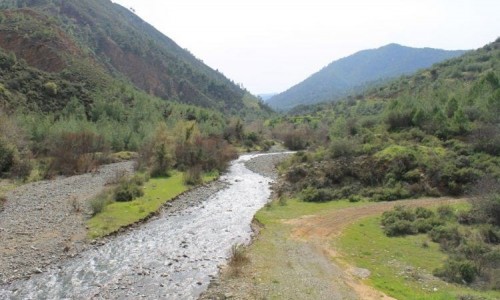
(95, 42)
(353, 73)
(436, 132)
(432, 134)
(82, 79)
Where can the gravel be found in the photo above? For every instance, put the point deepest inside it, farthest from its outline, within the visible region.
(266, 165)
(44, 222)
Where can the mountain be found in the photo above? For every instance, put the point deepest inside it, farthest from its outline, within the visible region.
(355, 72)
(267, 96)
(97, 42)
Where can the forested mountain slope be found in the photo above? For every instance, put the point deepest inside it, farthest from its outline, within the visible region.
(94, 42)
(433, 133)
(352, 73)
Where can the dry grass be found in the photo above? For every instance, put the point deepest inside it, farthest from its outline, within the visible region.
(2, 202)
(239, 258)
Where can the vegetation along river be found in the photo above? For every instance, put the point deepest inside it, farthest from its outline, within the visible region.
(173, 256)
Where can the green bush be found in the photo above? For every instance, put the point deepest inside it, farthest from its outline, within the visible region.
(343, 148)
(128, 190)
(400, 227)
(473, 250)
(311, 194)
(426, 225)
(193, 176)
(98, 203)
(457, 271)
(445, 212)
(490, 234)
(7, 156)
(447, 235)
(390, 193)
(424, 213)
(399, 212)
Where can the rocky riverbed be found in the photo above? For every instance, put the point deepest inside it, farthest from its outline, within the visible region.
(175, 254)
(44, 222)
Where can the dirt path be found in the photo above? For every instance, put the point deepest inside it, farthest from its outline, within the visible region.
(294, 259)
(331, 224)
(321, 229)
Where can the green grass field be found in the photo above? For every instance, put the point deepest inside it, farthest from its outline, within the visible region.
(401, 266)
(157, 191)
(295, 208)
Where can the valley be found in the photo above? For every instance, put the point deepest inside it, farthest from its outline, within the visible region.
(175, 254)
(130, 168)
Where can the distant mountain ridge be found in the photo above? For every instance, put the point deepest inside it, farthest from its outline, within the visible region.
(341, 77)
(96, 42)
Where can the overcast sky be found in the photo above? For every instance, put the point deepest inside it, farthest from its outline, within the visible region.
(270, 45)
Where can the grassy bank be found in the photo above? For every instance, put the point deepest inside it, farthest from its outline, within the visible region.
(157, 191)
(313, 246)
(400, 266)
(281, 267)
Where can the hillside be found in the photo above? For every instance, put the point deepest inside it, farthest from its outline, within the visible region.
(354, 72)
(96, 42)
(80, 80)
(432, 133)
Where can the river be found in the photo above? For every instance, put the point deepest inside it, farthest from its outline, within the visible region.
(173, 256)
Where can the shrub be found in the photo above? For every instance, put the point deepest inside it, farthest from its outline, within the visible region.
(7, 156)
(50, 88)
(390, 194)
(209, 153)
(128, 190)
(193, 176)
(162, 161)
(296, 139)
(400, 227)
(311, 194)
(445, 212)
(296, 173)
(98, 203)
(238, 259)
(424, 213)
(399, 212)
(426, 225)
(343, 148)
(76, 152)
(486, 138)
(490, 234)
(486, 201)
(355, 198)
(473, 250)
(447, 236)
(22, 169)
(2, 202)
(457, 271)
(399, 119)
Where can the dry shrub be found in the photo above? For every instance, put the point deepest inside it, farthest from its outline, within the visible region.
(208, 153)
(193, 176)
(485, 201)
(76, 153)
(2, 202)
(238, 259)
(293, 137)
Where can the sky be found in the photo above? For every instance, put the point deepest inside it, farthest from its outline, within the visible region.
(268, 46)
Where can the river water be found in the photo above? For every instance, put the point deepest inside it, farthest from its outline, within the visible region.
(171, 257)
